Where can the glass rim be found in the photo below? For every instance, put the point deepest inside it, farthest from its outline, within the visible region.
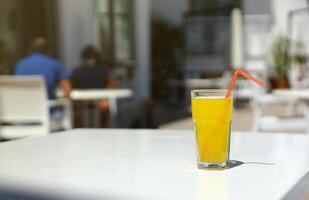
(209, 90)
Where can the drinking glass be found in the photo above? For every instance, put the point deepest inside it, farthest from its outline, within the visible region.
(212, 114)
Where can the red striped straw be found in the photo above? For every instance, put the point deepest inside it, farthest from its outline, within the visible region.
(237, 73)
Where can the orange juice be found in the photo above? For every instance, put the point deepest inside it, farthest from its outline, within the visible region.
(212, 121)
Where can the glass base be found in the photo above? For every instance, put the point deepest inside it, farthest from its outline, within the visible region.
(212, 166)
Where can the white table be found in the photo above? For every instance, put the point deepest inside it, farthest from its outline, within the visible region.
(292, 93)
(99, 94)
(152, 164)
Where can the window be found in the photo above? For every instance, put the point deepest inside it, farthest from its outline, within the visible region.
(115, 30)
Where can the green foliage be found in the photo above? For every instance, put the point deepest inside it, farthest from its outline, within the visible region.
(280, 55)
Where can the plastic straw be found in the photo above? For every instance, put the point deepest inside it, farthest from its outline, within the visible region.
(237, 73)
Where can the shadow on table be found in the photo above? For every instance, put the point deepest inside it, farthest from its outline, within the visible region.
(300, 190)
(12, 194)
(16, 192)
(235, 163)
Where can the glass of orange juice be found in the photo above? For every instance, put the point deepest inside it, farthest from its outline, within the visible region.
(212, 114)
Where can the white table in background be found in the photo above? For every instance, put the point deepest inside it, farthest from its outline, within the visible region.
(152, 164)
(293, 93)
(99, 94)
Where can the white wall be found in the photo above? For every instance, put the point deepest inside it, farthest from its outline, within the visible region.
(75, 29)
(170, 10)
(281, 9)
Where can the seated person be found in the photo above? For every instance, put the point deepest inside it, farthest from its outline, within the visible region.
(92, 74)
(40, 63)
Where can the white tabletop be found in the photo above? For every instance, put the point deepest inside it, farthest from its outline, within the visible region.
(293, 93)
(100, 94)
(146, 164)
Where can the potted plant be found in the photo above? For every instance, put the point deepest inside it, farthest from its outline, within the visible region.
(280, 62)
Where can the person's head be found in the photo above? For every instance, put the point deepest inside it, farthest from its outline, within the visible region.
(39, 45)
(90, 55)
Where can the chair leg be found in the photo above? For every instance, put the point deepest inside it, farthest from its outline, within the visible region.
(306, 113)
(256, 125)
(290, 108)
(67, 121)
(257, 116)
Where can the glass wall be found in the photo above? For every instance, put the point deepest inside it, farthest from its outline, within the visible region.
(20, 22)
(207, 30)
(7, 34)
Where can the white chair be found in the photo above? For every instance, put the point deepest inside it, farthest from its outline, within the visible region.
(273, 123)
(25, 108)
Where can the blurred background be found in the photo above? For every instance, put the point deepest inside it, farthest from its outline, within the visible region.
(159, 50)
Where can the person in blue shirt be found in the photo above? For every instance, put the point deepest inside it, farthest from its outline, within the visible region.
(40, 63)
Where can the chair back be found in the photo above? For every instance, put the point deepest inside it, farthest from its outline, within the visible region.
(23, 101)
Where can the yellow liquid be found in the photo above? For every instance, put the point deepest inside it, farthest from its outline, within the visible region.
(212, 119)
